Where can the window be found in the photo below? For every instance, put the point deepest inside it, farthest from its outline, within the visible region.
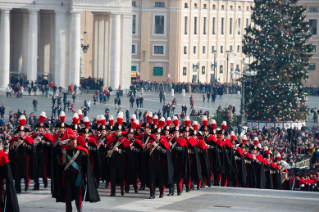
(239, 7)
(221, 69)
(231, 48)
(185, 49)
(194, 50)
(133, 3)
(214, 6)
(185, 25)
(237, 68)
(313, 26)
(159, 4)
(195, 25)
(238, 48)
(213, 49)
(213, 30)
(314, 48)
(159, 24)
(231, 7)
(204, 49)
(239, 20)
(205, 6)
(223, 7)
(134, 24)
(231, 26)
(158, 49)
(247, 8)
(203, 69)
(313, 9)
(222, 26)
(247, 22)
(204, 26)
(186, 5)
(195, 6)
(184, 71)
(222, 49)
(134, 49)
(311, 67)
(158, 71)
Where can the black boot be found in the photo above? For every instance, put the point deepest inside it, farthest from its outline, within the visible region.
(142, 188)
(45, 183)
(122, 192)
(135, 190)
(161, 195)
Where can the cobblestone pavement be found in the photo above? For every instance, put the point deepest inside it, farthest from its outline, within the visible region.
(207, 199)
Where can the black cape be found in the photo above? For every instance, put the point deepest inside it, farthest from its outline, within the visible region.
(12, 204)
(194, 158)
(91, 186)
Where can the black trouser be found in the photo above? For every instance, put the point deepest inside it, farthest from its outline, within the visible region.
(71, 190)
(135, 175)
(21, 171)
(117, 172)
(42, 167)
(132, 104)
(156, 175)
(9, 93)
(178, 172)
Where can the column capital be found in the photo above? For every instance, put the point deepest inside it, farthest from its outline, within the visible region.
(5, 10)
(33, 10)
(116, 14)
(60, 11)
(75, 12)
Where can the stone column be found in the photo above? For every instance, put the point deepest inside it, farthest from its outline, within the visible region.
(75, 48)
(126, 51)
(60, 45)
(115, 51)
(5, 48)
(33, 45)
(25, 43)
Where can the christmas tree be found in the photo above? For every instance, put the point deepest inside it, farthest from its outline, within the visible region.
(276, 40)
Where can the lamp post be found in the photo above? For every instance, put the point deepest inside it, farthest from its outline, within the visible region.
(214, 65)
(248, 76)
(227, 64)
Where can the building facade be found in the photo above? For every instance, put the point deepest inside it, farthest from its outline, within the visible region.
(199, 40)
(47, 40)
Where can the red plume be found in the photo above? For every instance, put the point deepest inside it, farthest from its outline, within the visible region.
(111, 121)
(135, 124)
(22, 120)
(149, 117)
(119, 118)
(244, 141)
(255, 142)
(161, 122)
(175, 121)
(155, 120)
(195, 125)
(62, 117)
(205, 121)
(224, 125)
(278, 158)
(267, 152)
(213, 124)
(168, 122)
(187, 122)
(103, 122)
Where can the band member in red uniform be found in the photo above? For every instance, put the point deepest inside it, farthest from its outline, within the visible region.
(258, 161)
(241, 168)
(166, 129)
(43, 149)
(211, 145)
(9, 200)
(119, 157)
(61, 127)
(92, 148)
(145, 138)
(159, 163)
(75, 178)
(22, 157)
(179, 154)
(250, 170)
(194, 173)
(267, 166)
(137, 157)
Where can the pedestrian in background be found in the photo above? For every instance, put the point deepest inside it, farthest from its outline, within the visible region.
(8, 90)
(35, 104)
(115, 102)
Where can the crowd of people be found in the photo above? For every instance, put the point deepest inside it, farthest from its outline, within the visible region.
(151, 152)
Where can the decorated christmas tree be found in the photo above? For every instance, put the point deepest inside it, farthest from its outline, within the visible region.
(276, 41)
